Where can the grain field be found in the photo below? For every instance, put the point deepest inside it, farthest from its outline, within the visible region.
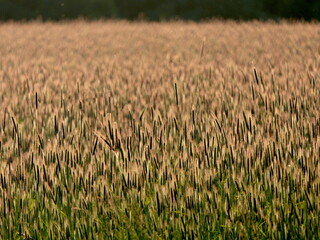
(173, 130)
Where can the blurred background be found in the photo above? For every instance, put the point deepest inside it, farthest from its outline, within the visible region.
(156, 10)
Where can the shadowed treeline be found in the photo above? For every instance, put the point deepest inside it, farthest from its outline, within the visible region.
(159, 9)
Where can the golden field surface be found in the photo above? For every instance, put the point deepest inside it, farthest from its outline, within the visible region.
(173, 130)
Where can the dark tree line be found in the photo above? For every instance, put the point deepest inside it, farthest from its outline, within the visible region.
(159, 9)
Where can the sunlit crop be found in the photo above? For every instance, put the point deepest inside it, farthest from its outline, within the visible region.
(176, 130)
